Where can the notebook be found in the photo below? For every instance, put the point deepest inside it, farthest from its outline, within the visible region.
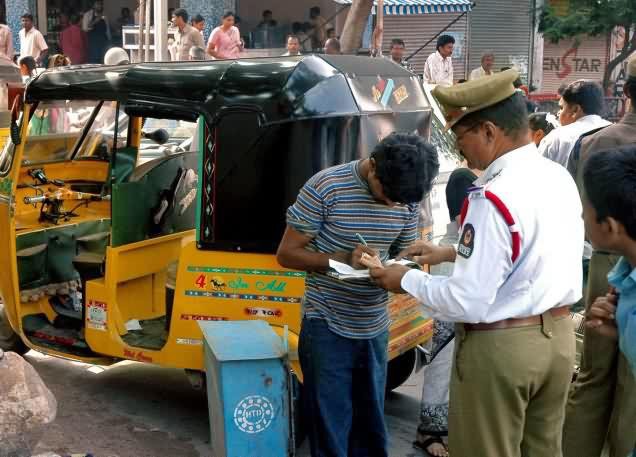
(343, 271)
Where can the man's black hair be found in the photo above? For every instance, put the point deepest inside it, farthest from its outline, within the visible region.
(406, 165)
(197, 18)
(510, 115)
(29, 62)
(294, 37)
(27, 16)
(229, 14)
(397, 42)
(443, 40)
(182, 13)
(609, 180)
(267, 13)
(587, 94)
(538, 121)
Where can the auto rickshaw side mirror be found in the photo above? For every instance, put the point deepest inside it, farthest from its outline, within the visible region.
(14, 128)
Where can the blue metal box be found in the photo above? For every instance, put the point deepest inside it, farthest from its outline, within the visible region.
(248, 390)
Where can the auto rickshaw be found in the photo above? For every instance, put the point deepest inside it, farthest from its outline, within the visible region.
(138, 200)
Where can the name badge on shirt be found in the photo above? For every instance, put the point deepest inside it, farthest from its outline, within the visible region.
(467, 242)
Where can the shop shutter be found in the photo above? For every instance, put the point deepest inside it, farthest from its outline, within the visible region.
(505, 27)
(567, 61)
(416, 30)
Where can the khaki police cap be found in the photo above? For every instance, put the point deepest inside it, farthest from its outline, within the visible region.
(461, 99)
(631, 67)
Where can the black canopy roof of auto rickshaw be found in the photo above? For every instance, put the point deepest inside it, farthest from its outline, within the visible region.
(281, 88)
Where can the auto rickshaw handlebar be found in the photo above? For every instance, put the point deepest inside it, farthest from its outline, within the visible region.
(62, 195)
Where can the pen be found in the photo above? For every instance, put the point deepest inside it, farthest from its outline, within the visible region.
(361, 240)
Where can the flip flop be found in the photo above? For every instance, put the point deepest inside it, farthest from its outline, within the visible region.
(424, 445)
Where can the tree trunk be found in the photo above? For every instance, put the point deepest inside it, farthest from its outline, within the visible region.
(355, 25)
(628, 49)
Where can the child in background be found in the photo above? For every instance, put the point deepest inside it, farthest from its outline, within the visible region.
(540, 125)
(27, 68)
(609, 210)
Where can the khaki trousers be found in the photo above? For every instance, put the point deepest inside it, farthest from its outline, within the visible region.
(509, 388)
(602, 404)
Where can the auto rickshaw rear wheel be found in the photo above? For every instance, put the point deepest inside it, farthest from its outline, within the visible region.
(400, 369)
(10, 341)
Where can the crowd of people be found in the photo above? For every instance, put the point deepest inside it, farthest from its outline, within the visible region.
(503, 279)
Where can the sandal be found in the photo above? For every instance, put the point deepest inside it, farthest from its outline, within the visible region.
(427, 443)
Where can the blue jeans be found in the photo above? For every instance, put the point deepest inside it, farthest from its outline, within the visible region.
(343, 391)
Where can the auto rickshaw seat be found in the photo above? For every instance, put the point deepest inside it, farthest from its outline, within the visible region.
(140, 198)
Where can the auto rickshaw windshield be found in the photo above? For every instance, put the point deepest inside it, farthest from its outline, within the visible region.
(57, 127)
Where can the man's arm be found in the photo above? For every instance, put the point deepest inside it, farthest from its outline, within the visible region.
(468, 295)
(197, 39)
(293, 253)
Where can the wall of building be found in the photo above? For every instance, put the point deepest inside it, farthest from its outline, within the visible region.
(285, 12)
(15, 9)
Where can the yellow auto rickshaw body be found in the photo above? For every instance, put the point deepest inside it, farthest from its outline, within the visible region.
(116, 248)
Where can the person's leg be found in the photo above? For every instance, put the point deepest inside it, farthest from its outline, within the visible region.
(549, 390)
(589, 407)
(490, 391)
(622, 429)
(369, 434)
(327, 361)
(435, 391)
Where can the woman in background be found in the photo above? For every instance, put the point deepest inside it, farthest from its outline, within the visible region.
(225, 41)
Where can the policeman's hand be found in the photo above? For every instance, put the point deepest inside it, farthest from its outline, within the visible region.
(356, 256)
(601, 316)
(426, 253)
(390, 278)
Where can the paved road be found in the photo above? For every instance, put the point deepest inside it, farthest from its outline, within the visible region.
(135, 410)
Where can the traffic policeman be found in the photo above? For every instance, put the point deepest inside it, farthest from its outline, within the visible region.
(517, 271)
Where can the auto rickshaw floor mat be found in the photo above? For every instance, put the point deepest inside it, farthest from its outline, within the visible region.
(68, 340)
(153, 334)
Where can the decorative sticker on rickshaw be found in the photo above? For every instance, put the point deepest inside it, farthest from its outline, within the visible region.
(189, 342)
(382, 91)
(97, 315)
(139, 356)
(263, 312)
(201, 317)
(6, 184)
(234, 296)
(247, 271)
(400, 94)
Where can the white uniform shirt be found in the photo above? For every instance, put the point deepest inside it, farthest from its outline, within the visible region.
(32, 43)
(479, 73)
(559, 143)
(438, 70)
(487, 286)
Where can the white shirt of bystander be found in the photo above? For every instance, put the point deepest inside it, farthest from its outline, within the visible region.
(558, 144)
(32, 43)
(438, 70)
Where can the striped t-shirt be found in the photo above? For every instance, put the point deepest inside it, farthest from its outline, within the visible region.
(332, 207)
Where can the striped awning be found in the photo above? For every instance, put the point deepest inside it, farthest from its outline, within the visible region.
(413, 7)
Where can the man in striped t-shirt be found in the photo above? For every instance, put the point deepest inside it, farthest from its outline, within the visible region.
(344, 335)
